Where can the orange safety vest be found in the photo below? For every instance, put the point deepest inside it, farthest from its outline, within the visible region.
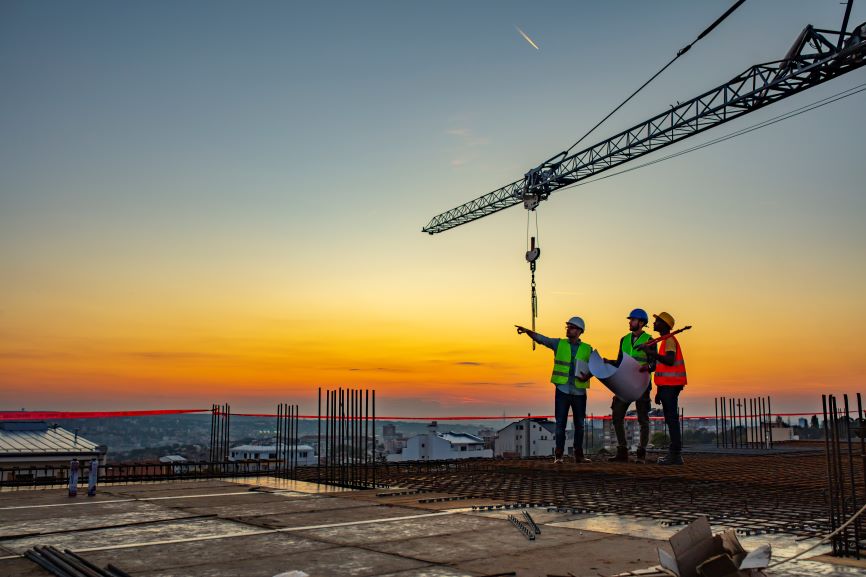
(671, 375)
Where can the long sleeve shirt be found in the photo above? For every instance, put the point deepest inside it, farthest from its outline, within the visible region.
(553, 344)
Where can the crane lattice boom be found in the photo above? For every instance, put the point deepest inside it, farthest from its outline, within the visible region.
(812, 60)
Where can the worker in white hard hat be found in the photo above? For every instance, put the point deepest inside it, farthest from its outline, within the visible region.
(571, 377)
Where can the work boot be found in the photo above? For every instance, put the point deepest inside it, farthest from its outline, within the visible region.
(620, 457)
(671, 459)
(579, 457)
(557, 456)
(640, 455)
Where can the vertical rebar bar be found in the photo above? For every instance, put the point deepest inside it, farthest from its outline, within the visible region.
(319, 436)
(759, 409)
(770, 420)
(716, 407)
(333, 455)
(838, 473)
(854, 507)
(831, 492)
(375, 461)
(861, 427)
(366, 435)
(342, 447)
(733, 425)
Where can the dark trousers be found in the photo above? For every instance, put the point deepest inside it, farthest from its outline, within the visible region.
(669, 397)
(577, 404)
(618, 410)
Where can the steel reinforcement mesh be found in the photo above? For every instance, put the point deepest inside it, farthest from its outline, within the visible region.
(782, 493)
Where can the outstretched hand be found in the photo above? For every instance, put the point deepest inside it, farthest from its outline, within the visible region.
(521, 330)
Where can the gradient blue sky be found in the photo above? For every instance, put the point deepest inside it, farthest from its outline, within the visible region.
(246, 181)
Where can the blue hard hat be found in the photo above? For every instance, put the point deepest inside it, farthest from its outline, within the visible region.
(638, 314)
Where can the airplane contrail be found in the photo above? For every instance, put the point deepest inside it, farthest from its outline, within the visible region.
(527, 38)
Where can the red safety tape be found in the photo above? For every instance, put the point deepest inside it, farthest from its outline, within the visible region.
(47, 415)
(506, 417)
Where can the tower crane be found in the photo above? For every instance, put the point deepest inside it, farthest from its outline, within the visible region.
(813, 59)
(816, 56)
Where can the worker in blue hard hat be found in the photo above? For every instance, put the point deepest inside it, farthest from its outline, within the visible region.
(571, 378)
(630, 345)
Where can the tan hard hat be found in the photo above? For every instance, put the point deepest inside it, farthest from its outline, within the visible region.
(666, 318)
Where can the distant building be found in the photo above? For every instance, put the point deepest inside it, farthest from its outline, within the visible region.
(488, 434)
(302, 454)
(392, 440)
(394, 445)
(172, 459)
(40, 447)
(632, 429)
(526, 438)
(435, 446)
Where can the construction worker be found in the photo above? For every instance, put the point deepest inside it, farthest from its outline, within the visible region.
(630, 345)
(670, 378)
(571, 377)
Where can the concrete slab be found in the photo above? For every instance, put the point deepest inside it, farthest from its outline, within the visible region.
(603, 555)
(617, 525)
(338, 562)
(240, 499)
(408, 529)
(68, 518)
(172, 488)
(157, 531)
(274, 505)
(326, 516)
(432, 571)
(483, 544)
(188, 554)
(21, 568)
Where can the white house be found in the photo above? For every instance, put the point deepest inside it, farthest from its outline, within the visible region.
(302, 454)
(529, 437)
(435, 446)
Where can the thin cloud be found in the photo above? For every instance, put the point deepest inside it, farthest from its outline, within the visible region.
(469, 363)
(171, 356)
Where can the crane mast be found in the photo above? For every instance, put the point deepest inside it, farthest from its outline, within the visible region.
(815, 57)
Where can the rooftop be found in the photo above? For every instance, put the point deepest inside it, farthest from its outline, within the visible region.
(260, 527)
(28, 438)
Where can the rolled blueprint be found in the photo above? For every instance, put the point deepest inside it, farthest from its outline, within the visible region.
(625, 381)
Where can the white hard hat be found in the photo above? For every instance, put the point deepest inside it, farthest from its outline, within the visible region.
(578, 322)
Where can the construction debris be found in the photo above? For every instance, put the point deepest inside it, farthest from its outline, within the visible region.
(699, 553)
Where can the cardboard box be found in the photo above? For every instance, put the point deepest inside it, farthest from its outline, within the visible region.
(699, 553)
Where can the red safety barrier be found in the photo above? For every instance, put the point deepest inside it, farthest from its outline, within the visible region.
(47, 415)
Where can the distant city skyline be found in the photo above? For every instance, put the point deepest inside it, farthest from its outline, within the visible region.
(205, 202)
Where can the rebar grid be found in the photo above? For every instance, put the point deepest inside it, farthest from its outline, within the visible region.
(754, 494)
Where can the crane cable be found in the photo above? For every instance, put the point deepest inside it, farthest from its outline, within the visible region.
(681, 51)
(533, 251)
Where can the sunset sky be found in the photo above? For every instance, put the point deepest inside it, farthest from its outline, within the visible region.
(210, 202)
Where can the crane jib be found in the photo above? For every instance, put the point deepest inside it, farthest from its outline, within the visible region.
(757, 87)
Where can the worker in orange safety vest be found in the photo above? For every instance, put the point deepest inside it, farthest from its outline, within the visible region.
(670, 378)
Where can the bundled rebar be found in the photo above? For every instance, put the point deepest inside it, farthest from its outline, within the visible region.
(287, 439)
(744, 423)
(347, 438)
(68, 564)
(845, 480)
(220, 421)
